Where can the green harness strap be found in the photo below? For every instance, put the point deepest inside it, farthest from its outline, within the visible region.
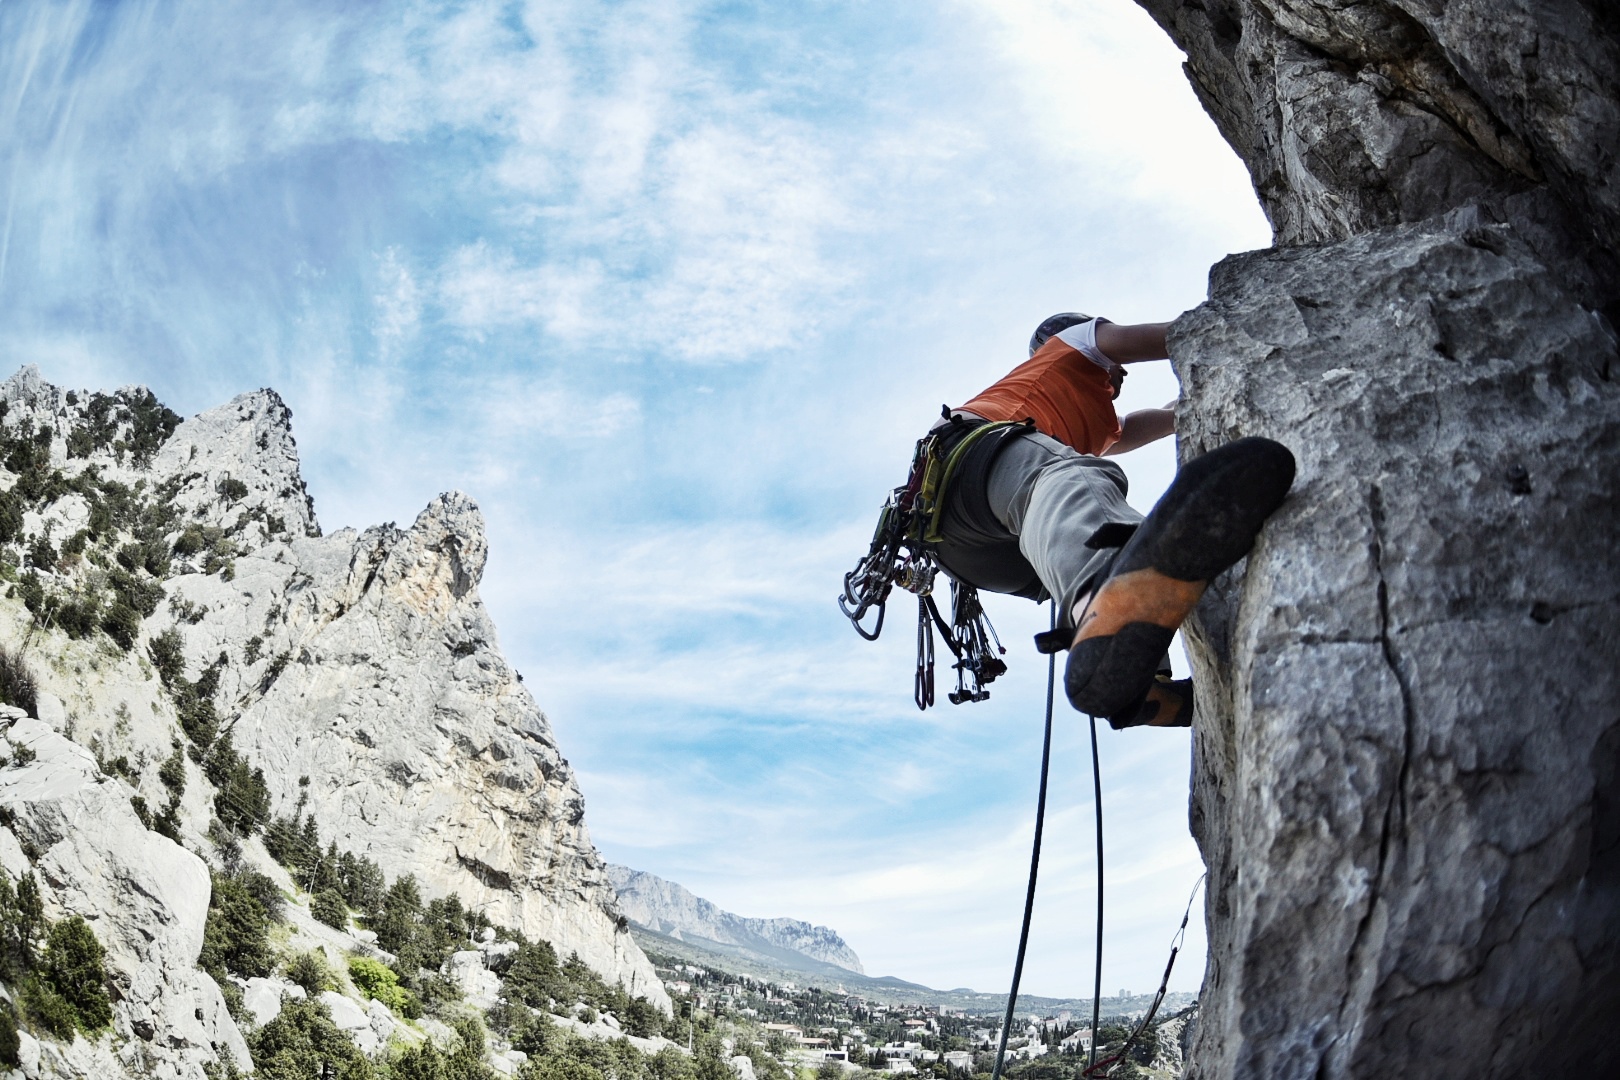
(932, 494)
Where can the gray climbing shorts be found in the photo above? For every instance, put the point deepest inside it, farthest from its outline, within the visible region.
(1052, 497)
(1046, 499)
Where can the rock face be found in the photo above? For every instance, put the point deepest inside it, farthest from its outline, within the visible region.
(1405, 788)
(145, 897)
(668, 908)
(1355, 115)
(1406, 778)
(379, 679)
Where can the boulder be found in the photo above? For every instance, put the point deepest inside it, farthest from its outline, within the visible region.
(262, 998)
(353, 1020)
(28, 1055)
(383, 1024)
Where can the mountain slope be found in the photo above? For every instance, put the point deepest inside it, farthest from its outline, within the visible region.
(666, 908)
(169, 589)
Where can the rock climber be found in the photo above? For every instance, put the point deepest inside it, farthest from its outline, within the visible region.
(1037, 509)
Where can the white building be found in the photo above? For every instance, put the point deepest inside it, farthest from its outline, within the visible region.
(1078, 1043)
(959, 1059)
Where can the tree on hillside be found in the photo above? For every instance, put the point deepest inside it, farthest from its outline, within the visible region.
(73, 965)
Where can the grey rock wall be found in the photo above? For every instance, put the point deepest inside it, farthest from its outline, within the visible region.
(145, 897)
(379, 678)
(1405, 759)
(1406, 775)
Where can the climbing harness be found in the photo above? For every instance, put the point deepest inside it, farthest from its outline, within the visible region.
(902, 553)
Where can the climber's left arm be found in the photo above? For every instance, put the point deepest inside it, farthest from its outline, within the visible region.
(1142, 427)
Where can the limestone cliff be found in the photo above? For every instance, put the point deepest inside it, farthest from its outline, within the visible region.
(1407, 759)
(359, 671)
(668, 908)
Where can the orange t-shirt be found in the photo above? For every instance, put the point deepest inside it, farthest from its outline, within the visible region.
(1070, 398)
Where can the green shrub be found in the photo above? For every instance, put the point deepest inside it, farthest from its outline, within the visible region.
(167, 651)
(242, 801)
(22, 920)
(427, 1061)
(123, 624)
(143, 594)
(376, 979)
(18, 687)
(10, 1045)
(533, 976)
(11, 517)
(328, 907)
(48, 1009)
(72, 964)
(302, 1043)
(78, 615)
(190, 541)
(310, 970)
(172, 773)
(42, 554)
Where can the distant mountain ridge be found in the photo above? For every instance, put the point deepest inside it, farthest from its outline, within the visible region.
(667, 908)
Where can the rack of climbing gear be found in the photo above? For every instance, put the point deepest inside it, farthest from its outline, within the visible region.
(901, 553)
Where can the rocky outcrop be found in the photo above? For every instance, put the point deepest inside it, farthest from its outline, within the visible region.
(359, 671)
(377, 692)
(1407, 755)
(667, 908)
(1354, 115)
(145, 897)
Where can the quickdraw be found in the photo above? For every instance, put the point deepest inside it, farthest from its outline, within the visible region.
(901, 554)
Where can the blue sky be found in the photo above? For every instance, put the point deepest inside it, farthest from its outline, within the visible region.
(670, 289)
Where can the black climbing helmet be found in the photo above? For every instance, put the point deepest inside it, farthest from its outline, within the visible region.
(1055, 325)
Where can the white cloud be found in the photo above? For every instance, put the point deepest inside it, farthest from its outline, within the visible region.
(398, 305)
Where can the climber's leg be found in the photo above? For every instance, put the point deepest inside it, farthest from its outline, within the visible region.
(1053, 498)
(1206, 521)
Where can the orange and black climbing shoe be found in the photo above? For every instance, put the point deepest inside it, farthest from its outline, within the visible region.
(1206, 521)
(1169, 703)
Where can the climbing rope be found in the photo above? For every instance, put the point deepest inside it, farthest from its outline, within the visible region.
(1094, 1070)
(1096, 985)
(1034, 859)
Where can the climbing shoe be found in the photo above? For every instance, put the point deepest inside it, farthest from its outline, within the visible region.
(1206, 521)
(1169, 703)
